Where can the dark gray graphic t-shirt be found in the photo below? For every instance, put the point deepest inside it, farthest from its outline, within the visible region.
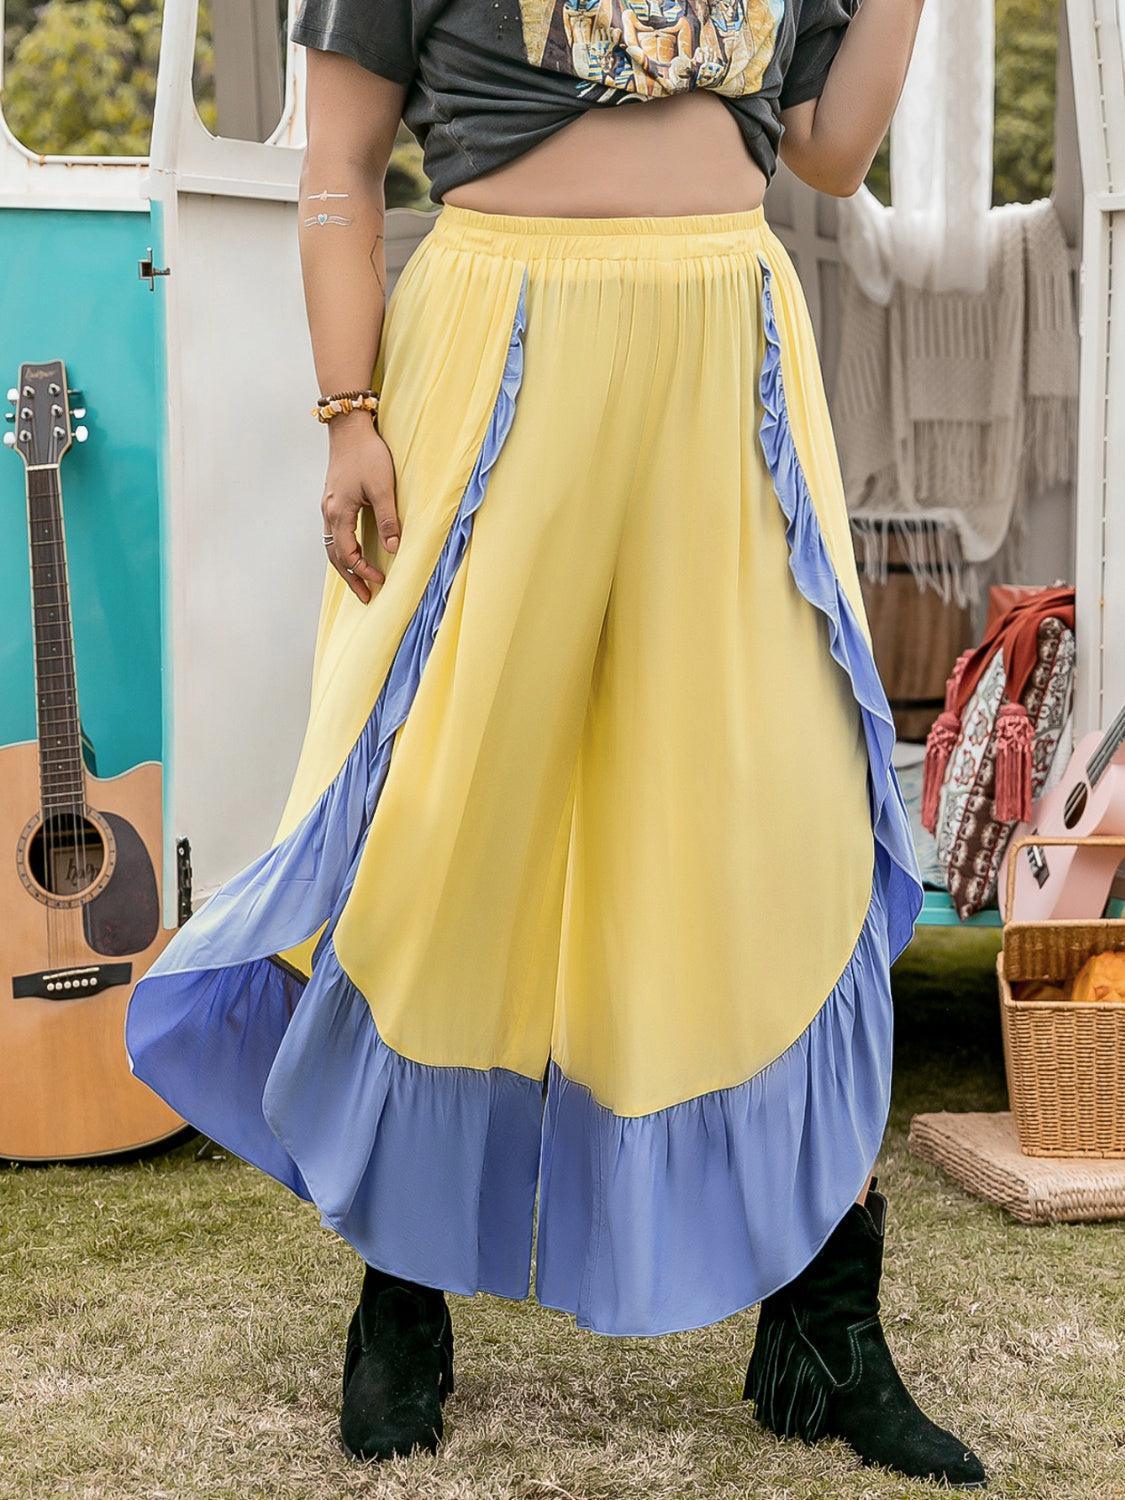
(488, 79)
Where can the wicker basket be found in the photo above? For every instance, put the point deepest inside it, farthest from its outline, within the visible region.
(1065, 1059)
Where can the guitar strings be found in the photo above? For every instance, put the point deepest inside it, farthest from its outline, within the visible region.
(74, 733)
(43, 715)
(63, 947)
(54, 834)
(1107, 748)
(75, 923)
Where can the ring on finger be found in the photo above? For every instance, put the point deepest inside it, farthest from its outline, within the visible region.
(328, 539)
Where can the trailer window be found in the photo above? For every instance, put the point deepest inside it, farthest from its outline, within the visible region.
(239, 76)
(79, 76)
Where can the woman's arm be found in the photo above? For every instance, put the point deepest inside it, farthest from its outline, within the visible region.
(352, 118)
(831, 142)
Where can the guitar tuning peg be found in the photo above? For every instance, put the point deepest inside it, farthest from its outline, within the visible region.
(77, 411)
(9, 416)
(13, 394)
(9, 440)
(81, 434)
(76, 395)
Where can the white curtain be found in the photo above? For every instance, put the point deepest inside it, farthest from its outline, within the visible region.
(935, 235)
(955, 396)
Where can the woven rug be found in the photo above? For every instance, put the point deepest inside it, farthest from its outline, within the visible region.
(982, 1154)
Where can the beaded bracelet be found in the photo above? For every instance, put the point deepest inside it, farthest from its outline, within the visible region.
(328, 407)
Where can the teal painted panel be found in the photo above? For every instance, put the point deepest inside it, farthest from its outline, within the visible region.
(938, 911)
(70, 291)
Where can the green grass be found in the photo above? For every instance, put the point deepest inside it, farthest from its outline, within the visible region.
(175, 1328)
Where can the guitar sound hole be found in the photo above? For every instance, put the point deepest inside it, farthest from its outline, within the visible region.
(1075, 805)
(66, 854)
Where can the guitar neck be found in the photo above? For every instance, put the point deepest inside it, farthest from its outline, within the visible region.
(1102, 757)
(62, 781)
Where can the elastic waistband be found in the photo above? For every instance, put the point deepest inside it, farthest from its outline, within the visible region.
(639, 237)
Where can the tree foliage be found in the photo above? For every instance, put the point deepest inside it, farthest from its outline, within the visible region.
(407, 186)
(81, 75)
(80, 80)
(1023, 147)
(1023, 143)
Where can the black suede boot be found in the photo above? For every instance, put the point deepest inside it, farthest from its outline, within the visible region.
(821, 1366)
(398, 1368)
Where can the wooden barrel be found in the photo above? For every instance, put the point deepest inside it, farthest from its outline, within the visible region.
(916, 634)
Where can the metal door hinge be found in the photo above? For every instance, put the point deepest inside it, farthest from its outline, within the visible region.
(183, 880)
(147, 271)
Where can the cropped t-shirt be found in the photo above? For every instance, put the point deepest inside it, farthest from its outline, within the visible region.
(488, 79)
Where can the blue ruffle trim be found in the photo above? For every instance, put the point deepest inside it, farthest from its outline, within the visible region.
(811, 566)
(428, 1172)
(676, 1219)
(205, 1022)
(646, 1225)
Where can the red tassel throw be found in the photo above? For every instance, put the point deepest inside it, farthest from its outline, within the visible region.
(1014, 736)
(953, 682)
(939, 747)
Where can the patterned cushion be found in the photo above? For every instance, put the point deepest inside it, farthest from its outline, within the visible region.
(971, 843)
(925, 847)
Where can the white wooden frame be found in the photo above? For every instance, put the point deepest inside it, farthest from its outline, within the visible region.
(1098, 59)
(241, 477)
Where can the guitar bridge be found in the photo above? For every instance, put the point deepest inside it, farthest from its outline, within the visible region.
(1038, 862)
(72, 983)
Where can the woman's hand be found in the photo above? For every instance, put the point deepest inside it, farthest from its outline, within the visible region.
(360, 473)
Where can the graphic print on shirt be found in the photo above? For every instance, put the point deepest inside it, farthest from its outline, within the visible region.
(649, 48)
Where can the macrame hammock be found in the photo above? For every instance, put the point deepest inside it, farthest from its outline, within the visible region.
(1016, 635)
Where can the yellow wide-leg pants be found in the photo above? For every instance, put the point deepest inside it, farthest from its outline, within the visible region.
(634, 842)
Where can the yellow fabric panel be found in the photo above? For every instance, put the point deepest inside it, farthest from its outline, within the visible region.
(438, 407)
(626, 822)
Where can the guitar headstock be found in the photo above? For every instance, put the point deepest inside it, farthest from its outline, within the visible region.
(42, 415)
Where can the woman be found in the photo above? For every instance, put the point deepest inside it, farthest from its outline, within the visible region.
(594, 862)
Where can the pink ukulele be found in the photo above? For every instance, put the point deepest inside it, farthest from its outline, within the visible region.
(1068, 881)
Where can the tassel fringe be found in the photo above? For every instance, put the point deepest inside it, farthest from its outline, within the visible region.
(939, 744)
(1014, 736)
(788, 1386)
(939, 747)
(953, 682)
(930, 547)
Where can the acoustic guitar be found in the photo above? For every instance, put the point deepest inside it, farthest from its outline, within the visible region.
(1069, 881)
(79, 861)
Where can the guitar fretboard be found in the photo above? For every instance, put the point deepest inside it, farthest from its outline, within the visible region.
(61, 778)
